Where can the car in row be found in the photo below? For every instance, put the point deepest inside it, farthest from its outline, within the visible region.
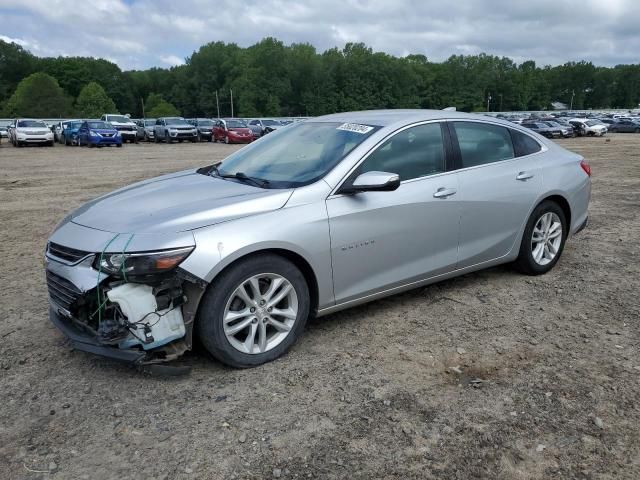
(28, 131)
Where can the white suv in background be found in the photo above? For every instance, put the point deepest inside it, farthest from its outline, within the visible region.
(127, 127)
(589, 127)
(24, 131)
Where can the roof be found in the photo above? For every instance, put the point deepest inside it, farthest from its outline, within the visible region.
(384, 118)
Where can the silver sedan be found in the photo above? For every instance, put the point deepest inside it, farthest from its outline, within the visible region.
(314, 218)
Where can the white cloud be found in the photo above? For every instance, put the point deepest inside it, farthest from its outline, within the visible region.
(143, 33)
(172, 60)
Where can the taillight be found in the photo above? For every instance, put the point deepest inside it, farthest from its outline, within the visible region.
(586, 167)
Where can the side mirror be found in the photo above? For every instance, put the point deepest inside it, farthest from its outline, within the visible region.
(373, 182)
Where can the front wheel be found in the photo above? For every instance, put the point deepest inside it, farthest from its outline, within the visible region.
(543, 240)
(254, 311)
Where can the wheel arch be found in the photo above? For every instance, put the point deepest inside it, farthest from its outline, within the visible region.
(563, 203)
(297, 259)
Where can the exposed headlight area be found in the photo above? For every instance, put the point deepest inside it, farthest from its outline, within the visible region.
(141, 264)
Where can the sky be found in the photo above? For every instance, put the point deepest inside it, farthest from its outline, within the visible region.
(138, 34)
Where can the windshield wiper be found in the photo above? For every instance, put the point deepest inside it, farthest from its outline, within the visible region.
(259, 182)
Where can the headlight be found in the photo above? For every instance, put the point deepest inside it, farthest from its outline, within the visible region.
(93, 134)
(145, 263)
(117, 134)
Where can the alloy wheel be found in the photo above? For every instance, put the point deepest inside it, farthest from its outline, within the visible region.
(260, 313)
(546, 238)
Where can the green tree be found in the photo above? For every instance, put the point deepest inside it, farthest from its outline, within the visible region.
(93, 101)
(15, 64)
(163, 109)
(38, 95)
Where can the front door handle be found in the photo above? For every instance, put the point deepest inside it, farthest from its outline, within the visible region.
(523, 176)
(444, 192)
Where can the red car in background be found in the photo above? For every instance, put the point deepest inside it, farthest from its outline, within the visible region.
(230, 130)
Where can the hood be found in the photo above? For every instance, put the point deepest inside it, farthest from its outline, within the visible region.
(240, 130)
(43, 130)
(175, 203)
(103, 130)
(180, 125)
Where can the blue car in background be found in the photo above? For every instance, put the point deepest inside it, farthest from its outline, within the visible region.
(96, 133)
(69, 132)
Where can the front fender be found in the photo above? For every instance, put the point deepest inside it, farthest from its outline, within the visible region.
(301, 229)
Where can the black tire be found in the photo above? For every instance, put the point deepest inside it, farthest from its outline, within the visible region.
(167, 137)
(210, 139)
(226, 139)
(525, 262)
(209, 324)
(118, 145)
(156, 139)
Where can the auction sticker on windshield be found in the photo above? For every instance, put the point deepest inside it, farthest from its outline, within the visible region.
(355, 127)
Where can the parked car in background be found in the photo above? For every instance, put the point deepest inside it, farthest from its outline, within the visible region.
(589, 127)
(544, 129)
(204, 127)
(315, 218)
(262, 126)
(231, 130)
(145, 129)
(625, 126)
(69, 131)
(25, 131)
(171, 129)
(127, 127)
(565, 130)
(98, 133)
(4, 132)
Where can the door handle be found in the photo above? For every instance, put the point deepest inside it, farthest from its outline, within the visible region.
(523, 176)
(444, 192)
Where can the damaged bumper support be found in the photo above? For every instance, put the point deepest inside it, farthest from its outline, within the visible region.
(133, 307)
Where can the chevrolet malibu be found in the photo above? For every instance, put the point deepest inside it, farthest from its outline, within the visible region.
(314, 218)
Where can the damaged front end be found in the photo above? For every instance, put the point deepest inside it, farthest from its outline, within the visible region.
(136, 307)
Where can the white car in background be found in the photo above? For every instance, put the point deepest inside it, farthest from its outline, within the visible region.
(25, 131)
(589, 127)
(127, 127)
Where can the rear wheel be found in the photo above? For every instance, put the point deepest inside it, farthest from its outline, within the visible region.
(543, 240)
(226, 139)
(167, 137)
(254, 311)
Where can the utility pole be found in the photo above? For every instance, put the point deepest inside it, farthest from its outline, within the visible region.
(217, 104)
(573, 94)
(489, 102)
(230, 90)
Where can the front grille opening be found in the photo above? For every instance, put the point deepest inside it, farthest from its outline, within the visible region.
(67, 254)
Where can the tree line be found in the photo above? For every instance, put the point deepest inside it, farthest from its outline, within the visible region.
(274, 79)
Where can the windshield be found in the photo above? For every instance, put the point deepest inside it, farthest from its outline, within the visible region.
(297, 155)
(235, 124)
(149, 123)
(118, 118)
(177, 121)
(205, 123)
(72, 124)
(100, 125)
(592, 123)
(31, 124)
(271, 123)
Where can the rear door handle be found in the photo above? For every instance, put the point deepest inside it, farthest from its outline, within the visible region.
(522, 176)
(444, 192)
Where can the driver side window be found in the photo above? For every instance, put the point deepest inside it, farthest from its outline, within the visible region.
(412, 153)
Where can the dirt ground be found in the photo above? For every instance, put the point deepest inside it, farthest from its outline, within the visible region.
(490, 375)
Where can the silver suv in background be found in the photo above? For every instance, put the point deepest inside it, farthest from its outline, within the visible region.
(146, 128)
(127, 127)
(171, 129)
(25, 131)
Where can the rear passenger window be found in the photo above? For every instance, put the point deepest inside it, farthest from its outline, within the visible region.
(524, 144)
(415, 152)
(482, 143)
